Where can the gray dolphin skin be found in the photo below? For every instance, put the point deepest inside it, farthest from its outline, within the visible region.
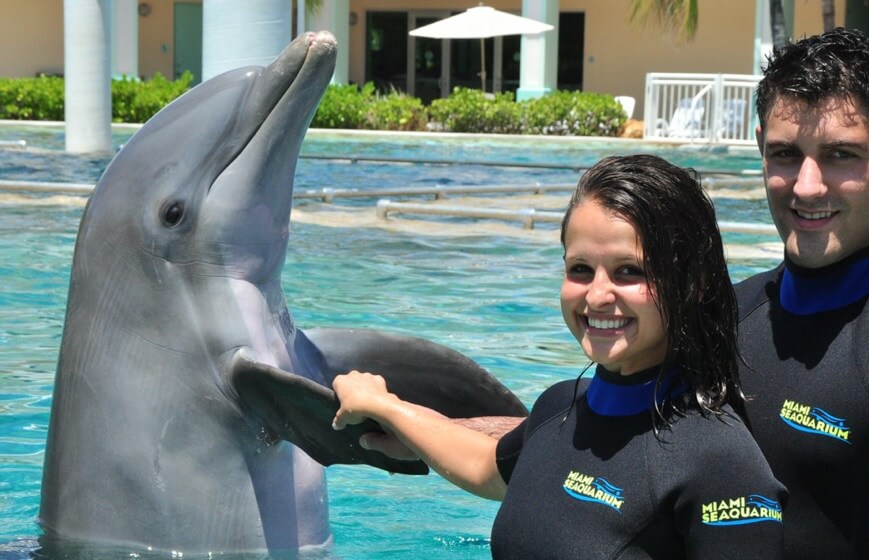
(189, 412)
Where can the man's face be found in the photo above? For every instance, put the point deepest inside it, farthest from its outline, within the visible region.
(816, 168)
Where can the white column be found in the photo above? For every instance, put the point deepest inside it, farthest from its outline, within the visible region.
(301, 24)
(538, 65)
(238, 33)
(87, 84)
(762, 35)
(334, 16)
(124, 36)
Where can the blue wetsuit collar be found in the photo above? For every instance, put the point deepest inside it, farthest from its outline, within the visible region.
(806, 291)
(611, 394)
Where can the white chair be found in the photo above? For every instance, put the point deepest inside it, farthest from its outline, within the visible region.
(627, 102)
(733, 119)
(687, 120)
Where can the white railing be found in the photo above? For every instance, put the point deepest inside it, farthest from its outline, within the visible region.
(711, 108)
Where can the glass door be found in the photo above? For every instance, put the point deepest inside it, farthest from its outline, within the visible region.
(386, 50)
(428, 60)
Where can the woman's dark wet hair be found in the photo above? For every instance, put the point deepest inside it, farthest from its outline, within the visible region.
(684, 263)
(834, 64)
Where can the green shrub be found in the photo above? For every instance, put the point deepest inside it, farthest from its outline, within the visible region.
(352, 107)
(343, 106)
(395, 111)
(573, 113)
(42, 99)
(135, 101)
(472, 110)
(38, 99)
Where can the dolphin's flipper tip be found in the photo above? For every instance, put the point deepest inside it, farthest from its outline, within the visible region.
(301, 411)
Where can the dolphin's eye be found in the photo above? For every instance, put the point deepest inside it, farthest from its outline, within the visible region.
(172, 213)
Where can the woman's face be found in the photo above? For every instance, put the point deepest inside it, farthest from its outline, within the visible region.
(605, 299)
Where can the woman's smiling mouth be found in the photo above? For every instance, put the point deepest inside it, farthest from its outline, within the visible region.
(605, 324)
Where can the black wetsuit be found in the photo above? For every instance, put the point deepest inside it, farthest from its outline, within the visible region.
(592, 480)
(805, 337)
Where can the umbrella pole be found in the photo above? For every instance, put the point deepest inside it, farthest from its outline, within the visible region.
(483, 60)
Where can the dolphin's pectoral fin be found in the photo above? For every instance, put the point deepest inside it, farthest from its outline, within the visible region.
(301, 411)
(417, 370)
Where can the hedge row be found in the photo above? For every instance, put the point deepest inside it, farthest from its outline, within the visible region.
(348, 106)
(564, 113)
(133, 100)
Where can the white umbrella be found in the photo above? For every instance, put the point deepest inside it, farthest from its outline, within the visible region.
(480, 23)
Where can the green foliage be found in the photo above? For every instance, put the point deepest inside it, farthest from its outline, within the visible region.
(135, 101)
(352, 107)
(674, 16)
(42, 99)
(396, 111)
(573, 113)
(38, 99)
(471, 110)
(563, 113)
(348, 106)
(343, 106)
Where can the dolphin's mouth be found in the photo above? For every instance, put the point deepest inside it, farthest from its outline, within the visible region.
(244, 219)
(277, 111)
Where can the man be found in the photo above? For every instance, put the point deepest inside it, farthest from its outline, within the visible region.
(804, 326)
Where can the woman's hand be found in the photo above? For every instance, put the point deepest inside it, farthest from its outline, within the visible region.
(463, 456)
(360, 395)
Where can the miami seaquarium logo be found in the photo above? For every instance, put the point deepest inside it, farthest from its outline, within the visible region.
(814, 420)
(594, 489)
(741, 511)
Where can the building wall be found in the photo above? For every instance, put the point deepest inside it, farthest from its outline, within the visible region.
(617, 53)
(31, 38)
(156, 39)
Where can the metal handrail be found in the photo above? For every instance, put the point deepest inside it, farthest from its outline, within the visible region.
(439, 192)
(528, 216)
(328, 194)
(491, 163)
(45, 186)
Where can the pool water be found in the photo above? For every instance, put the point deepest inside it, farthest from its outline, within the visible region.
(492, 297)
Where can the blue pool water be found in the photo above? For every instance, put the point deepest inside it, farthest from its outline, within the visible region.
(493, 297)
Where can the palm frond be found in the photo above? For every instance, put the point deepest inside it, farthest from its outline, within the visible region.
(675, 16)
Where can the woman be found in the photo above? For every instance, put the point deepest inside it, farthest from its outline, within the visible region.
(648, 459)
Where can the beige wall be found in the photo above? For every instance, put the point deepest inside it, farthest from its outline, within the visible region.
(808, 19)
(31, 37)
(617, 54)
(156, 39)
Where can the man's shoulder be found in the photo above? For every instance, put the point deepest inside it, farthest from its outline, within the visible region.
(755, 291)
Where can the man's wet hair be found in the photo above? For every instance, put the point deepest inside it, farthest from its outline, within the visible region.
(834, 64)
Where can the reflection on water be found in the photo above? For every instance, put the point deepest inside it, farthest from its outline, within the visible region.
(490, 291)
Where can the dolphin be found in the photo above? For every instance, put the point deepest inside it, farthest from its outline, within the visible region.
(189, 412)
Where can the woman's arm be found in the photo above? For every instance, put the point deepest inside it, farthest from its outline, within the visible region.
(461, 455)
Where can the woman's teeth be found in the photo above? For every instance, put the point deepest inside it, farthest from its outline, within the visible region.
(607, 323)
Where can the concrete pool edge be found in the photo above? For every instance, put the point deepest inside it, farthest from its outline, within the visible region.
(338, 132)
